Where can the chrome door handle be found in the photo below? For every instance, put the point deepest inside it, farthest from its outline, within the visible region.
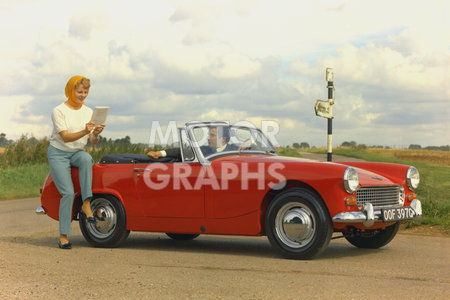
(139, 170)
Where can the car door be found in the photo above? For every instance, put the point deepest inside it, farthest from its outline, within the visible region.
(169, 189)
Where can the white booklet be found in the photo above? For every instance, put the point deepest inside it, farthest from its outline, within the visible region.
(99, 115)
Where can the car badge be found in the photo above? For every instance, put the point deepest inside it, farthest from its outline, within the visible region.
(377, 178)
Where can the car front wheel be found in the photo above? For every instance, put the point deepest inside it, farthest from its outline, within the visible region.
(373, 239)
(298, 224)
(110, 232)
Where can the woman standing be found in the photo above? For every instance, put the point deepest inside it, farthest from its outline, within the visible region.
(71, 130)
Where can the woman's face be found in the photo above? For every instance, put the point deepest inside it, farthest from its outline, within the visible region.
(80, 94)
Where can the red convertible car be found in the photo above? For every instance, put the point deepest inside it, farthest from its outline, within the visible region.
(245, 189)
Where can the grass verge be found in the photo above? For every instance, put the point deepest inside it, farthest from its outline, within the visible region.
(22, 182)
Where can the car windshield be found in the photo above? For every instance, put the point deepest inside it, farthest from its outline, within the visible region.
(220, 139)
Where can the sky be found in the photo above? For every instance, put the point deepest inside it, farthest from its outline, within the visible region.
(243, 60)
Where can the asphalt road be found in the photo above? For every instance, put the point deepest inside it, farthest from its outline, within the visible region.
(151, 265)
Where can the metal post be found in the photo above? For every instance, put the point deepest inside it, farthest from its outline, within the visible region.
(330, 86)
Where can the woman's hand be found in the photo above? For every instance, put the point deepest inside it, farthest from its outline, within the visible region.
(95, 134)
(99, 129)
(72, 137)
(89, 127)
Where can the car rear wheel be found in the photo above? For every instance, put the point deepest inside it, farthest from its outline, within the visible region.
(113, 230)
(182, 236)
(373, 239)
(298, 224)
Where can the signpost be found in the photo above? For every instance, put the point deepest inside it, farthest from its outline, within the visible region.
(324, 109)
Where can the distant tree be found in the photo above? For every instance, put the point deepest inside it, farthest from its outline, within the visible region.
(442, 148)
(103, 142)
(296, 145)
(4, 142)
(124, 141)
(32, 141)
(361, 147)
(414, 147)
(349, 144)
(304, 145)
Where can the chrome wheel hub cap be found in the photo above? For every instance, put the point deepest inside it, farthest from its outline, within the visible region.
(103, 229)
(295, 225)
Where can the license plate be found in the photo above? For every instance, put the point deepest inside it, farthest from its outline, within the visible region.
(397, 213)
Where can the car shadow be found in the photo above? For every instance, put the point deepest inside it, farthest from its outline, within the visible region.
(336, 250)
(248, 246)
(222, 245)
(203, 244)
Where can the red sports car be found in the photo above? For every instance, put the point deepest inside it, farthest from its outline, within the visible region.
(245, 188)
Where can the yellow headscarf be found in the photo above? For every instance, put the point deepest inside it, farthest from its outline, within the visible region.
(70, 90)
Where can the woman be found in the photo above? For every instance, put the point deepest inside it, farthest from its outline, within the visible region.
(71, 130)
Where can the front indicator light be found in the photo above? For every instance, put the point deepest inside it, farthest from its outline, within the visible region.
(351, 201)
(411, 197)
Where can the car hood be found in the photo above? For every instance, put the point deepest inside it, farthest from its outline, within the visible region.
(366, 177)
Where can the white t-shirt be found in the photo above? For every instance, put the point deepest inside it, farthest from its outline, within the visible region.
(65, 118)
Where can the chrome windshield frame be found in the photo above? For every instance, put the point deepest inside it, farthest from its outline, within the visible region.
(205, 161)
(190, 142)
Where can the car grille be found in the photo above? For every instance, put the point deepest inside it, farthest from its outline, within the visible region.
(380, 196)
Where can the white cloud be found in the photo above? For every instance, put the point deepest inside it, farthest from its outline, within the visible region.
(83, 23)
(17, 120)
(252, 60)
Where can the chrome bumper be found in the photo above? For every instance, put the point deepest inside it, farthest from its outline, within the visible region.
(40, 211)
(368, 216)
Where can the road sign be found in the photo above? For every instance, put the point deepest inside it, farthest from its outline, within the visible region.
(323, 109)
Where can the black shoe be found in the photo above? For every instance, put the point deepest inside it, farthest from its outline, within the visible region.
(99, 218)
(88, 219)
(65, 246)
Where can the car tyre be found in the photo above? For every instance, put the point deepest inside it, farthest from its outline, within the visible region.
(298, 224)
(113, 230)
(182, 236)
(373, 239)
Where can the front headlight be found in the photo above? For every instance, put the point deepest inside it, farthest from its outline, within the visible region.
(412, 178)
(351, 180)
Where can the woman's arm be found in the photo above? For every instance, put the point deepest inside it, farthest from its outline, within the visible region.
(71, 137)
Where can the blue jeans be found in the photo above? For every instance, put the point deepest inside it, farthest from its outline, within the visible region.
(60, 168)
